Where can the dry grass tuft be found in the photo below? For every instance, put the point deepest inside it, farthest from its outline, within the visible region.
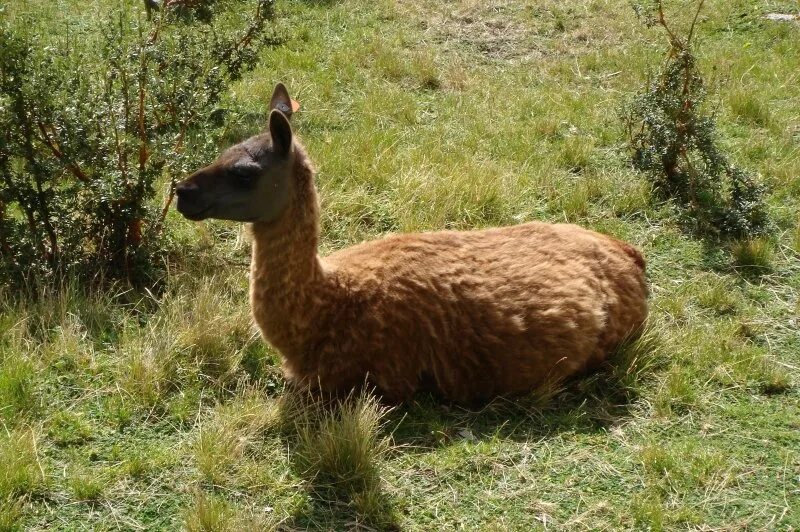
(234, 431)
(208, 514)
(340, 449)
(11, 514)
(626, 372)
(197, 338)
(637, 358)
(22, 471)
(88, 485)
(17, 393)
(753, 255)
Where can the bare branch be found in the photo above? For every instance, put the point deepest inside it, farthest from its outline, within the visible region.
(694, 22)
(73, 168)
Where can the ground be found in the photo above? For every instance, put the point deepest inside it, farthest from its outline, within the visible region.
(165, 410)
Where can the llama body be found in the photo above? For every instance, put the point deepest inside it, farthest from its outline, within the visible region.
(468, 315)
(471, 314)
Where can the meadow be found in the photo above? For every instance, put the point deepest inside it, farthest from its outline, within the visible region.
(163, 409)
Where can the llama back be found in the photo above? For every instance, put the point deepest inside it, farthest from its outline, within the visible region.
(493, 311)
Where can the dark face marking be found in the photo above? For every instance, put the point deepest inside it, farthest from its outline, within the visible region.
(249, 182)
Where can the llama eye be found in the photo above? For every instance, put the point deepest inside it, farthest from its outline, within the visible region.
(245, 176)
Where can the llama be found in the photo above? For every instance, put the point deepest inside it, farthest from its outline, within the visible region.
(466, 315)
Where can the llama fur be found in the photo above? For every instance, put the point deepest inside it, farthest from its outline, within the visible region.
(469, 315)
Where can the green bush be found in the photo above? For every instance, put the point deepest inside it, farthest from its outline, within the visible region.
(87, 132)
(675, 142)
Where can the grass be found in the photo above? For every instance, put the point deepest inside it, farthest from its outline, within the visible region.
(753, 254)
(165, 410)
(339, 450)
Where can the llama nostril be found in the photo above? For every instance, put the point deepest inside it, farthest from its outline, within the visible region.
(186, 190)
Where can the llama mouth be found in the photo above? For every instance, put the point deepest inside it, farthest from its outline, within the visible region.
(195, 216)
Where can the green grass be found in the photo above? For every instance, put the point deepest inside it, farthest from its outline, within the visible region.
(165, 410)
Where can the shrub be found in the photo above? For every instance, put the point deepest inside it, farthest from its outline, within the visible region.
(84, 140)
(675, 142)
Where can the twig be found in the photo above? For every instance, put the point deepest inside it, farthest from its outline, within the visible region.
(4, 247)
(45, 218)
(157, 29)
(121, 158)
(694, 21)
(143, 154)
(663, 22)
(164, 210)
(156, 227)
(126, 102)
(58, 154)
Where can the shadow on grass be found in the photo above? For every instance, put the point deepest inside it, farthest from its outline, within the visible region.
(330, 511)
(585, 404)
(749, 259)
(427, 425)
(340, 449)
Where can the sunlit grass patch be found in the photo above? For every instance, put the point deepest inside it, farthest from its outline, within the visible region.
(139, 466)
(795, 239)
(17, 385)
(22, 475)
(648, 510)
(472, 196)
(213, 512)
(576, 153)
(204, 341)
(750, 366)
(676, 468)
(674, 305)
(147, 369)
(631, 197)
(11, 512)
(66, 428)
(208, 513)
(772, 377)
(70, 351)
(677, 393)
(213, 333)
(228, 445)
(574, 202)
(746, 106)
(753, 254)
(629, 371)
(88, 485)
(415, 68)
(718, 295)
(20, 459)
(637, 358)
(340, 449)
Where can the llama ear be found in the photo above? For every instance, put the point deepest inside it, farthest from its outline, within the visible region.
(282, 102)
(281, 132)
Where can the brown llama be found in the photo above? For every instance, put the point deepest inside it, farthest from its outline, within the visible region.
(468, 315)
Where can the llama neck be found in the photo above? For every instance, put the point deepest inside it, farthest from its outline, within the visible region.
(285, 270)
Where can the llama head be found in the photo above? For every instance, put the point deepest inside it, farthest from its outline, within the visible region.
(251, 181)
